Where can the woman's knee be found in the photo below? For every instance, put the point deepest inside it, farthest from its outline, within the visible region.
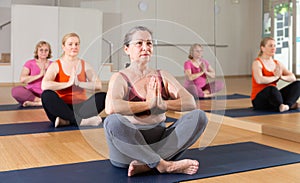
(297, 85)
(22, 94)
(48, 95)
(112, 122)
(202, 118)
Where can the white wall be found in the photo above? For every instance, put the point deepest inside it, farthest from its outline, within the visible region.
(237, 26)
(5, 32)
(57, 22)
(5, 42)
(26, 33)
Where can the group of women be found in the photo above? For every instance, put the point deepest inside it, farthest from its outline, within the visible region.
(138, 98)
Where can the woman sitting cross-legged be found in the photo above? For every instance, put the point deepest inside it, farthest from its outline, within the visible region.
(266, 72)
(137, 99)
(65, 82)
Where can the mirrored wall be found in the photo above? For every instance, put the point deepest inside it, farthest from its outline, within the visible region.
(228, 30)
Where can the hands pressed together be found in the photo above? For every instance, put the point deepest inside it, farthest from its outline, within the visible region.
(153, 97)
(73, 80)
(278, 71)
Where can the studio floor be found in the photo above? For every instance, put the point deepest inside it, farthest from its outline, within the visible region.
(34, 150)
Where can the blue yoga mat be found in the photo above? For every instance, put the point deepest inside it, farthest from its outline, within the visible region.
(214, 161)
(245, 112)
(43, 127)
(12, 107)
(226, 97)
(36, 127)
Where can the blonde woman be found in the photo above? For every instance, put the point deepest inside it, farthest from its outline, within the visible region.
(65, 83)
(266, 72)
(197, 70)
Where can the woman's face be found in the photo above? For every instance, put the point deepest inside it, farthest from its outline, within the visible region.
(71, 46)
(43, 51)
(270, 48)
(197, 52)
(140, 48)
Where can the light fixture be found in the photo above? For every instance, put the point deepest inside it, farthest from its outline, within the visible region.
(235, 1)
(143, 6)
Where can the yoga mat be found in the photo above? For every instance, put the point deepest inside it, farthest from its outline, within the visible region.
(36, 127)
(43, 127)
(214, 161)
(244, 112)
(226, 97)
(12, 107)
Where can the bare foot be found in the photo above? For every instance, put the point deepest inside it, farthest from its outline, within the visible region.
(92, 121)
(283, 108)
(207, 95)
(61, 122)
(136, 167)
(30, 103)
(295, 106)
(185, 166)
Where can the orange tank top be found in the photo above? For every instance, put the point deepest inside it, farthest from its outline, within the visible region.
(73, 94)
(256, 88)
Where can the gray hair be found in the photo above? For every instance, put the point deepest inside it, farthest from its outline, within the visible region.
(128, 36)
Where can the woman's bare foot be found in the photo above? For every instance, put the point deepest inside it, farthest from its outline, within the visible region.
(92, 121)
(208, 95)
(295, 106)
(31, 103)
(61, 122)
(283, 108)
(185, 166)
(136, 167)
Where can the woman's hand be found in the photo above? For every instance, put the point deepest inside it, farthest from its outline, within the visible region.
(43, 70)
(160, 102)
(203, 68)
(278, 71)
(73, 77)
(151, 97)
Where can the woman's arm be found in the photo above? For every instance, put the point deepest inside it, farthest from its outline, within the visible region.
(26, 78)
(190, 76)
(258, 76)
(48, 82)
(181, 99)
(210, 72)
(286, 75)
(93, 81)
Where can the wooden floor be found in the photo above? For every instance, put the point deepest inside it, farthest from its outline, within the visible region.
(45, 149)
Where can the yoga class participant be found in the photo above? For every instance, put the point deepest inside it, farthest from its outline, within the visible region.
(137, 99)
(65, 83)
(266, 72)
(32, 74)
(197, 70)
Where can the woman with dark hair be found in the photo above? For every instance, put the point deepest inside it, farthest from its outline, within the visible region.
(266, 72)
(32, 75)
(137, 99)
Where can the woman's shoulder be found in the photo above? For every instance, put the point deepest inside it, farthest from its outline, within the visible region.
(30, 61)
(187, 61)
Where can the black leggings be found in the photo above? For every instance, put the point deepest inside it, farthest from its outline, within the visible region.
(270, 98)
(54, 107)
